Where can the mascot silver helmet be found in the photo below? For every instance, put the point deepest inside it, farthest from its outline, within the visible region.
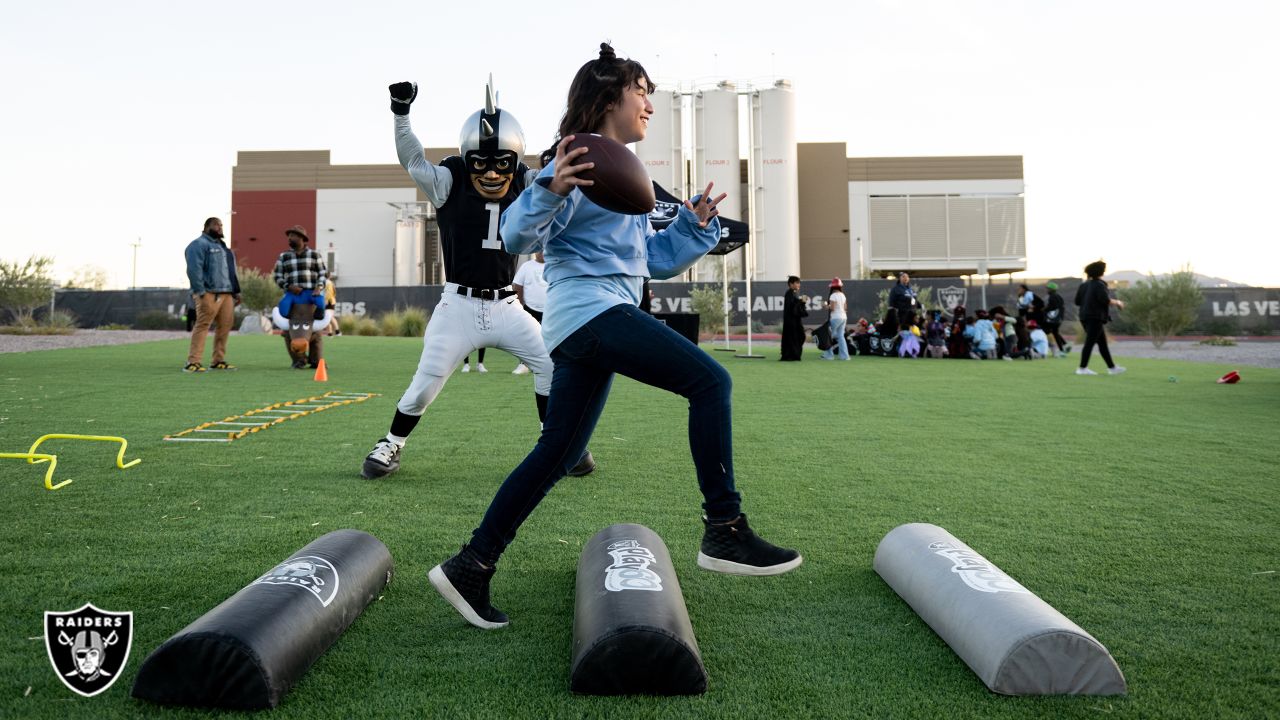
(491, 130)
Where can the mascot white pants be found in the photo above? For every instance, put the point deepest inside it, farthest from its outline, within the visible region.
(461, 325)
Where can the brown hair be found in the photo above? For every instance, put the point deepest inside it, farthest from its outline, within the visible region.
(598, 84)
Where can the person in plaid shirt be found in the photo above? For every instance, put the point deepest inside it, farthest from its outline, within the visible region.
(300, 271)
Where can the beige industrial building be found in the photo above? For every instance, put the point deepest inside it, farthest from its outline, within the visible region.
(939, 216)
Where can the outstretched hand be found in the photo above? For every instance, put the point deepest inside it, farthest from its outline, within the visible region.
(402, 96)
(566, 177)
(705, 205)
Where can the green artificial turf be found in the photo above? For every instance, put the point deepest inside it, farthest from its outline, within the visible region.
(1144, 510)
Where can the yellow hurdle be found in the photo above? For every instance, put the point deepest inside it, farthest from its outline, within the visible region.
(120, 463)
(33, 458)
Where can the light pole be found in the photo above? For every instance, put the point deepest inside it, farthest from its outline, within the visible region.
(135, 247)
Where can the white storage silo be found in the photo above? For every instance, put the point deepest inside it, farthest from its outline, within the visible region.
(775, 183)
(715, 160)
(661, 150)
(410, 237)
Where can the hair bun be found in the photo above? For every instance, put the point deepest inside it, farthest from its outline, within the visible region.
(606, 52)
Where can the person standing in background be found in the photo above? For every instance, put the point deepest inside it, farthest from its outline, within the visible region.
(837, 305)
(1055, 313)
(1095, 302)
(902, 297)
(215, 292)
(794, 307)
(531, 289)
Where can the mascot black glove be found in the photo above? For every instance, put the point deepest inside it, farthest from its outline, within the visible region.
(402, 95)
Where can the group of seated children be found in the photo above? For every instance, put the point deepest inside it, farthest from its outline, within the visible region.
(985, 335)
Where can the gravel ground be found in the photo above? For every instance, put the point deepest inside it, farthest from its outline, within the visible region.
(1253, 353)
(84, 338)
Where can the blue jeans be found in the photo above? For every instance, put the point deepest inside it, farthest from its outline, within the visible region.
(837, 339)
(303, 298)
(624, 340)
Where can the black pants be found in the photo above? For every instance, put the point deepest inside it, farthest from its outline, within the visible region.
(1095, 334)
(1055, 332)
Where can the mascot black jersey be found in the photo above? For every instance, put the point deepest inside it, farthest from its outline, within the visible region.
(473, 252)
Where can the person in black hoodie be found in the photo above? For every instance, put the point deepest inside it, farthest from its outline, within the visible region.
(1095, 304)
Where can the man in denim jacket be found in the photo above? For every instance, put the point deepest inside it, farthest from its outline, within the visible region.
(215, 291)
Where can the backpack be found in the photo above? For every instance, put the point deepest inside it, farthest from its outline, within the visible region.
(822, 335)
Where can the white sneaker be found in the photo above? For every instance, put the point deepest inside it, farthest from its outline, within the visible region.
(1116, 370)
(1085, 371)
(480, 368)
(466, 367)
(521, 369)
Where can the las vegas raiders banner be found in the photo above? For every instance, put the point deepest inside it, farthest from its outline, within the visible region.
(88, 647)
(246, 653)
(631, 631)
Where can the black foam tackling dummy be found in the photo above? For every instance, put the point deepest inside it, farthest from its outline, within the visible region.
(631, 631)
(246, 653)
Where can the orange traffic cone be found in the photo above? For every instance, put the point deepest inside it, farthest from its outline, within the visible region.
(322, 375)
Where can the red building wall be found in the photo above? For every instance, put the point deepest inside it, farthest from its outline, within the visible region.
(261, 217)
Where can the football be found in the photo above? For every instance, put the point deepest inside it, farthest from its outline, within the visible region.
(622, 185)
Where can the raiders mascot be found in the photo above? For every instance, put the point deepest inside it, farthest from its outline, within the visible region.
(478, 308)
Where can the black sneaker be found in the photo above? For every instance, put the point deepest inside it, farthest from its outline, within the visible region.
(383, 460)
(465, 584)
(193, 368)
(299, 364)
(734, 549)
(586, 465)
(222, 365)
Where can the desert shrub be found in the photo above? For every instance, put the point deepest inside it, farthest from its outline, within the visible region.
(365, 326)
(409, 322)
(258, 292)
(25, 287)
(1163, 307)
(158, 320)
(708, 302)
(61, 319)
(413, 322)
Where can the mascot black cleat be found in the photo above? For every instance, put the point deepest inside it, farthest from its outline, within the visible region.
(465, 584)
(383, 460)
(735, 549)
(586, 465)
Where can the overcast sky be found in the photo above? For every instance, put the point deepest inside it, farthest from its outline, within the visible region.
(1150, 131)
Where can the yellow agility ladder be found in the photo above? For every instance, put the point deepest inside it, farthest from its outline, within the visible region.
(237, 426)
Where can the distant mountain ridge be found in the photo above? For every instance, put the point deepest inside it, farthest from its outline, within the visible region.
(1133, 276)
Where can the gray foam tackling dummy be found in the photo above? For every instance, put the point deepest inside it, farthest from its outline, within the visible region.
(1015, 642)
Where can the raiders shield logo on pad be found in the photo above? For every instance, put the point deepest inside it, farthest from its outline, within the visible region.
(88, 647)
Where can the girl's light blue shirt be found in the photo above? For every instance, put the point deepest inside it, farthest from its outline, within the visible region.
(596, 258)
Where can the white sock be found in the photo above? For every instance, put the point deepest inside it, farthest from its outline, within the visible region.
(397, 439)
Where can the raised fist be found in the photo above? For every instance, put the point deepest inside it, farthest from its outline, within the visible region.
(402, 95)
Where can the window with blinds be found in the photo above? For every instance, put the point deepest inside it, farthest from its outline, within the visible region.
(918, 228)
